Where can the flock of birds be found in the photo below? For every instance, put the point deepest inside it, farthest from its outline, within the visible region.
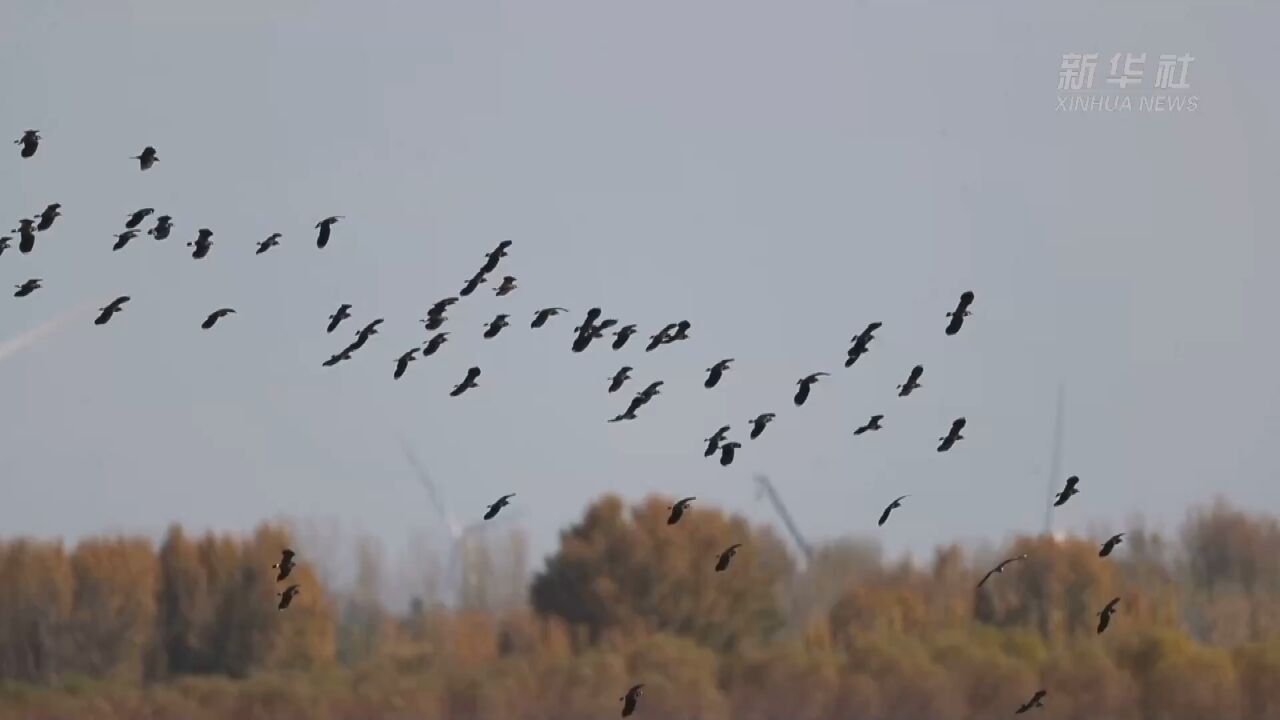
(592, 327)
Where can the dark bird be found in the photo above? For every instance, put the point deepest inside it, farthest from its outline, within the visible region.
(285, 566)
(475, 282)
(1110, 544)
(492, 257)
(123, 239)
(759, 423)
(713, 442)
(502, 502)
(402, 363)
(660, 337)
(46, 218)
(164, 225)
(286, 597)
(202, 243)
(137, 217)
(4, 243)
(26, 235)
(715, 372)
(30, 142)
(727, 452)
(434, 343)
(366, 332)
(588, 322)
(1104, 615)
(960, 313)
(884, 516)
(434, 322)
(999, 569)
(913, 381)
(623, 375)
(677, 510)
(542, 316)
(805, 383)
(1067, 491)
(335, 359)
(723, 562)
(681, 333)
(622, 335)
(629, 414)
(147, 158)
(441, 307)
(651, 390)
(949, 440)
(215, 316)
(872, 424)
(467, 383)
(325, 227)
(506, 286)
(860, 343)
(27, 287)
(1034, 702)
(495, 325)
(629, 700)
(272, 240)
(112, 308)
(342, 313)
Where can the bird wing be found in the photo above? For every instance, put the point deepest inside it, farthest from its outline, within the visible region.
(884, 516)
(986, 577)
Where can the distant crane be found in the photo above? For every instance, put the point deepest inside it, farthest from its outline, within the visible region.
(764, 488)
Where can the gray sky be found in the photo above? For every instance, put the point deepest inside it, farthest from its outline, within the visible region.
(778, 173)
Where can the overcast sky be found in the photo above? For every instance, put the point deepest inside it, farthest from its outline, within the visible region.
(780, 174)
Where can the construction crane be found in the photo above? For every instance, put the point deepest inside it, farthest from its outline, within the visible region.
(764, 488)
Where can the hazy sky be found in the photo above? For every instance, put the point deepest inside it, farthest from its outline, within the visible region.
(780, 174)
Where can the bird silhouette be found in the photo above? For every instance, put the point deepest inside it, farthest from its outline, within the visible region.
(285, 566)
(4, 243)
(27, 287)
(335, 359)
(622, 335)
(727, 452)
(272, 240)
(502, 502)
(26, 235)
(630, 699)
(806, 382)
(507, 285)
(1034, 702)
(123, 239)
(860, 343)
(677, 510)
(620, 377)
(759, 423)
(1104, 615)
(681, 332)
(202, 243)
(111, 308)
(47, 216)
(884, 516)
(1111, 544)
(999, 569)
(660, 337)
(953, 435)
(215, 316)
(433, 344)
(325, 227)
(287, 595)
(342, 313)
(960, 313)
(913, 381)
(30, 142)
(541, 317)
(147, 159)
(715, 372)
(713, 442)
(722, 563)
(492, 257)
(164, 226)
(136, 218)
(871, 425)
(366, 332)
(1067, 491)
(467, 383)
(402, 363)
(475, 282)
(495, 325)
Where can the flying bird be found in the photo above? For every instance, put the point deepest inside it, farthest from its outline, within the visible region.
(651, 390)
(272, 240)
(123, 239)
(805, 383)
(622, 335)
(723, 562)
(727, 452)
(542, 316)
(715, 372)
(502, 502)
(681, 332)
(467, 383)
(475, 282)
(860, 343)
(492, 257)
(368, 331)
(629, 700)
(1110, 544)
(402, 363)
(913, 381)
(335, 359)
(147, 158)
(441, 307)
(960, 313)
(342, 313)
(111, 308)
(1034, 702)
(30, 142)
(620, 377)
(508, 284)
(759, 423)
(26, 235)
(286, 597)
(27, 287)
(948, 441)
(285, 566)
(1067, 491)
(660, 337)
(136, 218)
(713, 442)
(884, 516)
(46, 218)
(434, 343)
(4, 243)
(495, 325)
(202, 244)
(164, 225)
(999, 569)
(677, 510)
(1104, 615)
(325, 226)
(871, 425)
(215, 316)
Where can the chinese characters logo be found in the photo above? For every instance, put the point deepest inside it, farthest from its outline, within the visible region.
(1169, 88)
